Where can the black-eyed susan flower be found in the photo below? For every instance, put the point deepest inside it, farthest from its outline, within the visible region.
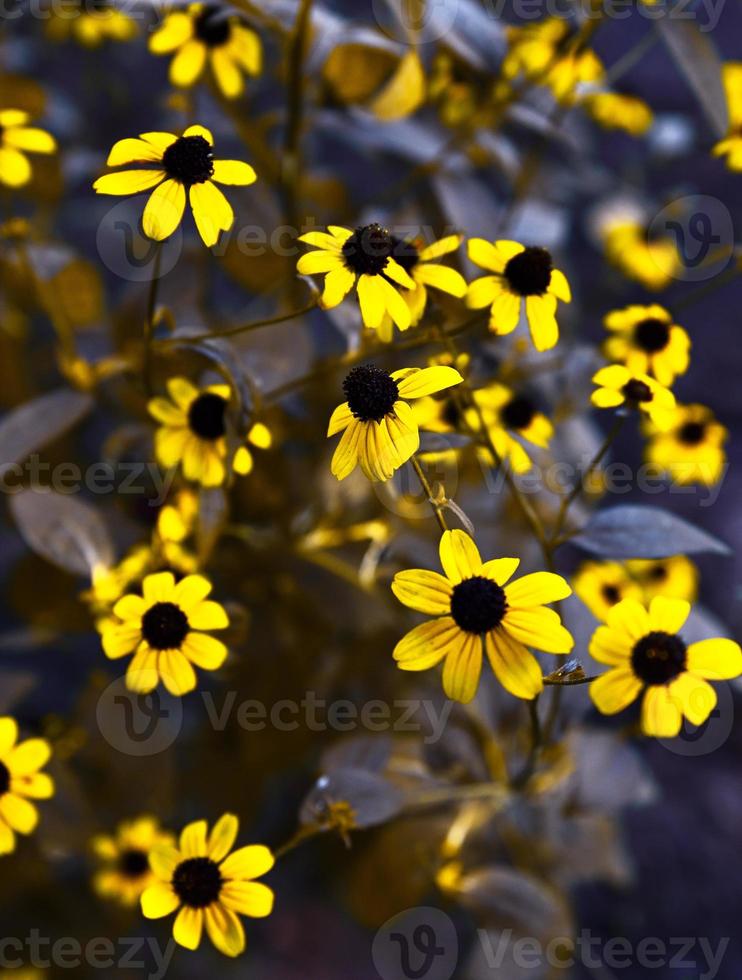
(124, 870)
(731, 146)
(182, 166)
(208, 886)
(477, 612)
(689, 445)
(194, 433)
(163, 629)
(602, 584)
(208, 34)
(519, 275)
(617, 385)
(90, 23)
(675, 577)
(649, 658)
(647, 341)
(17, 139)
(362, 258)
(615, 110)
(379, 429)
(507, 413)
(20, 782)
(651, 259)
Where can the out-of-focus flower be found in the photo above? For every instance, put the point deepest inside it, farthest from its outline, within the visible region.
(208, 34)
(731, 146)
(20, 782)
(617, 385)
(519, 274)
(379, 429)
(689, 446)
(646, 340)
(176, 519)
(648, 657)
(186, 165)
(504, 412)
(125, 872)
(89, 22)
(389, 86)
(551, 53)
(16, 139)
(194, 433)
(461, 94)
(162, 628)
(476, 611)
(601, 585)
(614, 110)
(676, 577)
(209, 886)
(653, 261)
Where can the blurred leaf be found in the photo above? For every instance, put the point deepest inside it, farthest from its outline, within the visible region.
(368, 752)
(13, 688)
(640, 531)
(78, 291)
(39, 422)
(356, 71)
(510, 899)
(698, 60)
(403, 93)
(372, 798)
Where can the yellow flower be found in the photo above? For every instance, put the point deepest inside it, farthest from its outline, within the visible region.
(478, 612)
(731, 146)
(600, 585)
(162, 628)
(689, 446)
(617, 385)
(646, 340)
(505, 411)
(17, 139)
(20, 782)
(124, 857)
(652, 261)
(177, 519)
(613, 110)
(206, 33)
(648, 657)
(675, 578)
(195, 433)
(362, 258)
(186, 164)
(90, 23)
(379, 430)
(520, 274)
(549, 53)
(209, 886)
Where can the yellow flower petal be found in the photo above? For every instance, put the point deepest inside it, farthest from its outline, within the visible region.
(427, 381)
(541, 314)
(615, 690)
(716, 660)
(28, 756)
(629, 617)
(697, 697)
(424, 591)
(188, 64)
(462, 668)
(142, 675)
(212, 212)
(193, 839)
(204, 651)
(610, 647)
(8, 735)
(315, 263)
(164, 210)
(394, 271)
(191, 591)
(15, 170)
(225, 930)
(159, 587)
(222, 837)
(661, 716)
(371, 301)
(30, 139)
(119, 640)
(345, 457)
(247, 863)
(36, 785)
(500, 570)
(164, 859)
(395, 306)
(197, 130)
(234, 172)
(536, 589)
(188, 927)
(441, 277)
(515, 667)
(248, 898)
(340, 419)
(444, 246)
(539, 627)
(485, 255)
(427, 644)
(176, 672)
(158, 900)
(128, 182)
(559, 286)
(208, 616)
(246, 48)
(459, 556)
(505, 313)
(668, 615)
(483, 292)
(18, 813)
(227, 74)
(177, 28)
(133, 151)
(338, 283)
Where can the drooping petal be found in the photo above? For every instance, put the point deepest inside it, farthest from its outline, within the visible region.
(541, 314)
(559, 286)
(345, 457)
(505, 313)
(661, 715)
(427, 644)
(340, 419)
(188, 64)
(228, 75)
(515, 667)
(164, 210)
(188, 927)
(371, 301)
(395, 306)
(176, 672)
(212, 212)
(615, 690)
(424, 591)
(459, 556)
(338, 283)
(462, 668)
(225, 930)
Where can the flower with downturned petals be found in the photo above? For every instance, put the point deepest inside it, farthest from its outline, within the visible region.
(617, 385)
(16, 139)
(731, 146)
(646, 341)
(20, 782)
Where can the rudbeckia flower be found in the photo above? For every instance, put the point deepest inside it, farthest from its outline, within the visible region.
(90, 23)
(477, 612)
(208, 886)
(208, 33)
(545, 53)
(614, 110)
(124, 857)
(649, 658)
(519, 274)
(20, 782)
(504, 412)
(183, 165)
(17, 139)
(731, 146)
(162, 628)
(617, 385)
(602, 584)
(194, 433)
(675, 578)
(652, 260)
(646, 340)
(689, 446)
(362, 258)
(379, 430)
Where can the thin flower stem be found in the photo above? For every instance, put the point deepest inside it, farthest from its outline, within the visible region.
(437, 508)
(149, 322)
(537, 741)
(244, 328)
(301, 835)
(551, 682)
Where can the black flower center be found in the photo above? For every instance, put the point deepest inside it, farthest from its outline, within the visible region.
(4, 778)
(405, 253)
(133, 863)
(658, 573)
(212, 26)
(367, 250)
(611, 594)
(95, 6)
(478, 604)
(451, 414)
(692, 433)
(165, 626)
(637, 391)
(529, 272)
(651, 335)
(197, 882)
(189, 160)
(206, 416)
(370, 392)
(658, 657)
(518, 413)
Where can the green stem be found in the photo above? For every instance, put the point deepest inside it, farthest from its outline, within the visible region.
(437, 508)
(537, 740)
(244, 328)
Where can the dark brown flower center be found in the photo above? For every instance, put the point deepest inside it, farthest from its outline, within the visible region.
(652, 335)
(133, 863)
(478, 604)
(637, 391)
(189, 160)
(206, 416)
(611, 594)
(518, 413)
(197, 882)
(658, 657)
(405, 253)
(692, 433)
(367, 250)
(212, 26)
(165, 626)
(4, 778)
(529, 272)
(658, 573)
(370, 392)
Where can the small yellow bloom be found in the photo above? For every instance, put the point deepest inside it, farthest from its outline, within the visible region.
(649, 658)
(208, 34)
(549, 53)
(124, 857)
(183, 166)
(617, 385)
(675, 578)
(731, 146)
(89, 23)
(520, 275)
(209, 886)
(507, 414)
(654, 261)
(613, 110)
(20, 782)
(600, 585)
(478, 612)
(162, 628)
(689, 446)
(379, 429)
(16, 139)
(646, 340)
